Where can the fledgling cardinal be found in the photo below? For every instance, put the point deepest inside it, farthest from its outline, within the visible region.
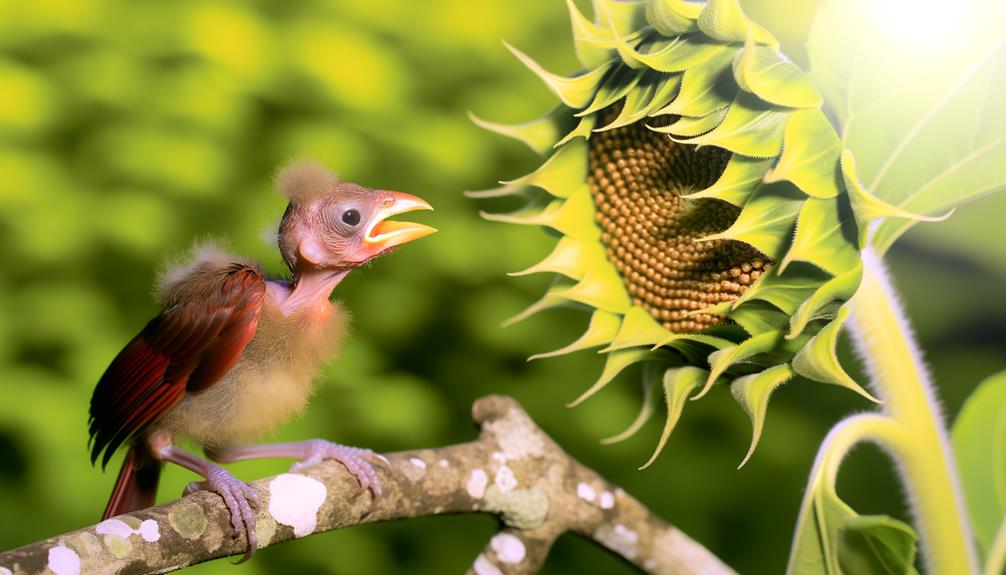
(233, 354)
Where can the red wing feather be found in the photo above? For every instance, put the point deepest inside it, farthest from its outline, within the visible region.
(188, 347)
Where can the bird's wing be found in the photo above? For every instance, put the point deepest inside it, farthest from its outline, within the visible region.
(195, 340)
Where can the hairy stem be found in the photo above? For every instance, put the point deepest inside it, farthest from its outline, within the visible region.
(513, 470)
(852, 430)
(884, 340)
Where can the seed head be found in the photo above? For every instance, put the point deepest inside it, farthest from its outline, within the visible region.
(651, 231)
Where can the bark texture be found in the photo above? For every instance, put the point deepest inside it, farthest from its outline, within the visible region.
(513, 470)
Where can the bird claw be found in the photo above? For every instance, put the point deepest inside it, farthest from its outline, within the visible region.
(241, 500)
(356, 460)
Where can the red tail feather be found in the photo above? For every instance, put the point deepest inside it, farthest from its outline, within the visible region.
(136, 486)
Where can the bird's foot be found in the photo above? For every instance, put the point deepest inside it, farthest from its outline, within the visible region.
(241, 500)
(356, 460)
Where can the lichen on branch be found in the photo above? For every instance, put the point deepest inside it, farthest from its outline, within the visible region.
(513, 470)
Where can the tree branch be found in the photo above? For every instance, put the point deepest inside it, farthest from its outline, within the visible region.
(514, 470)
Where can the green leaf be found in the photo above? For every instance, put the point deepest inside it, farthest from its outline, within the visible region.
(840, 287)
(818, 359)
(613, 89)
(593, 43)
(751, 127)
(756, 317)
(722, 359)
(867, 207)
(724, 20)
(979, 439)
(614, 363)
(582, 130)
(570, 258)
(600, 331)
(737, 182)
(785, 291)
(672, 17)
(825, 237)
(651, 374)
(753, 392)
(771, 76)
(687, 127)
(924, 118)
(876, 545)
(601, 288)
(639, 329)
(705, 88)
(538, 134)
(678, 383)
(687, 52)
(563, 172)
(575, 92)
(625, 16)
(652, 92)
(551, 299)
(832, 539)
(573, 217)
(810, 154)
(767, 220)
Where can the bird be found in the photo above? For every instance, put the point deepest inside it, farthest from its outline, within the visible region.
(234, 353)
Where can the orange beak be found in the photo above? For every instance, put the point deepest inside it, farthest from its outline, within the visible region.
(383, 234)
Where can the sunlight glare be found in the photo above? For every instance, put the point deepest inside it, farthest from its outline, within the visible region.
(923, 25)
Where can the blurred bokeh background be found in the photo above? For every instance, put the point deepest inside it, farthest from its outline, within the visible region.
(129, 129)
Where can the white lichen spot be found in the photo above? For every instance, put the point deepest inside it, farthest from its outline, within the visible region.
(586, 492)
(443, 463)
(498, 457)
(620, 539)
(517, 435)
(483, 566)
(418, 462)
(149, 530)
(5, 571)
(114, 527)
(505, 479)
(607, 500)
(477, 483)
(508, 547)
(626, 533)
(63, 561)
(294, 500)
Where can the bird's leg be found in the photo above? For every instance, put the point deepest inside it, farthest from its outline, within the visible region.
(310, 452)
(240, 498)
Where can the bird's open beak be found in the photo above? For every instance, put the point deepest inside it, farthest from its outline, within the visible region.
(384, 234)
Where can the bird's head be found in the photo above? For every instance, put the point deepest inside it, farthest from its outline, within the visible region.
(336, 225)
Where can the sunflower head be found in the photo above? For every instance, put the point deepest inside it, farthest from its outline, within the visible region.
(708, 215)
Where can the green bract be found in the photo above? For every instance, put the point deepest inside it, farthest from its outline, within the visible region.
(715, 84)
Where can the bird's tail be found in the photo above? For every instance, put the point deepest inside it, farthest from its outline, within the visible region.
(136, 486)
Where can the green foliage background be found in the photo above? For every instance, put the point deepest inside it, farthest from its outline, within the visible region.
(129, 129)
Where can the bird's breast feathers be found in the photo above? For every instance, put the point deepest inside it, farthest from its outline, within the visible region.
(271, 381)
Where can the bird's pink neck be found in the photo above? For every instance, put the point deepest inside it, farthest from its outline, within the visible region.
(307, 290)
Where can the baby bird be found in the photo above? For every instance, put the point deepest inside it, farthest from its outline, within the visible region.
(234, 354)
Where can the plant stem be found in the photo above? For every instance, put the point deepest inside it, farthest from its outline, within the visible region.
(846, 434)
(995, 563)
(885, 342)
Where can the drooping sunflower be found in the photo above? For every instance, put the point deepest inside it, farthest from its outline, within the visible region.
(708, 215)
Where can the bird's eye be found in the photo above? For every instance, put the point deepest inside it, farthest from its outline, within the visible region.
(351, 217)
